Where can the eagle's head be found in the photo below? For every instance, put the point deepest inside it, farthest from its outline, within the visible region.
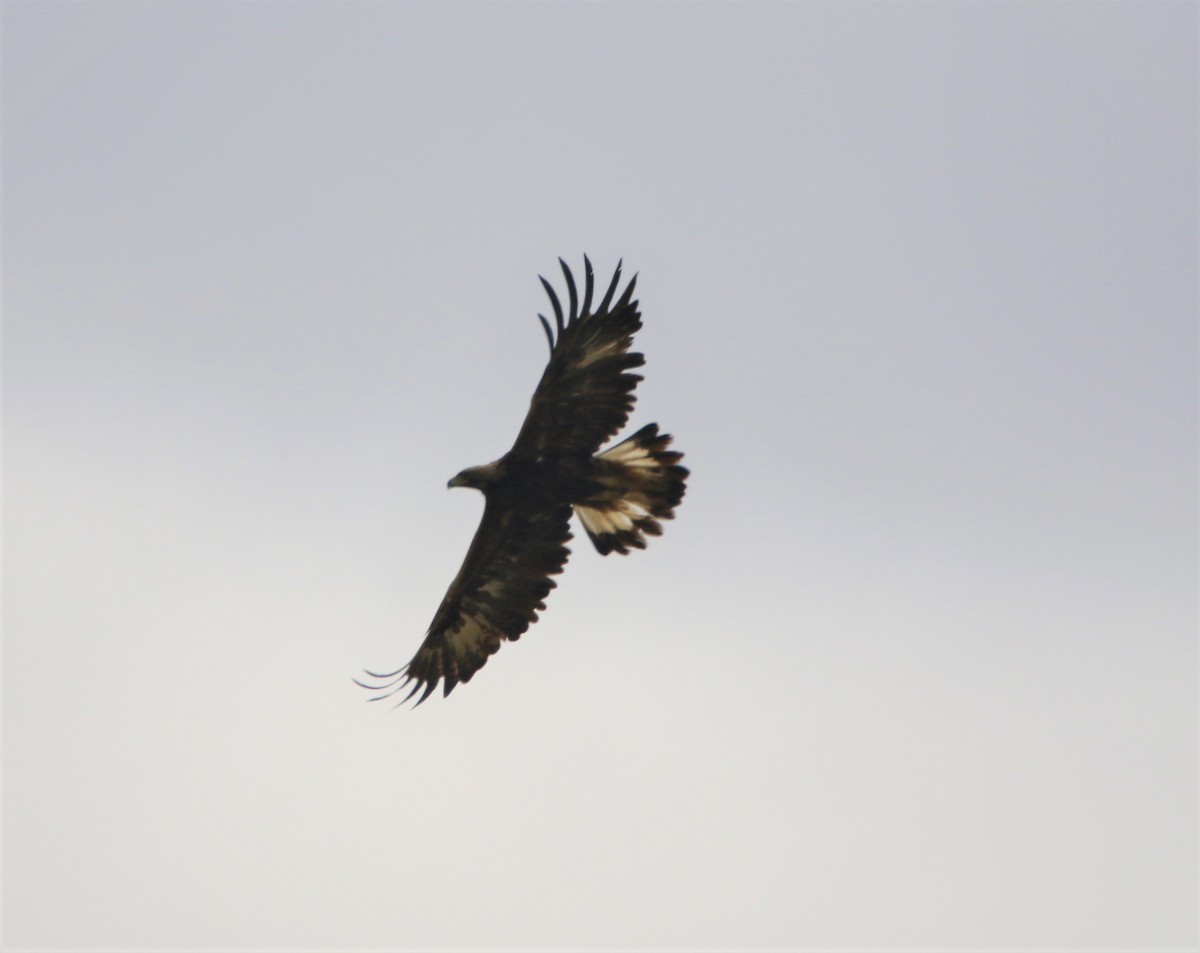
(477, 478)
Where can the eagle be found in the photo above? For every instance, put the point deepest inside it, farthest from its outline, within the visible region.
(555, 467)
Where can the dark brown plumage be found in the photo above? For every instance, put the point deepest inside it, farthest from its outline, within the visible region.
(584, 397)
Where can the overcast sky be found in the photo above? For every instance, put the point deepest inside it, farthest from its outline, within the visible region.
(916, 664)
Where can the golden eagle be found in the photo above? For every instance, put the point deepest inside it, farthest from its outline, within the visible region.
(583, 399)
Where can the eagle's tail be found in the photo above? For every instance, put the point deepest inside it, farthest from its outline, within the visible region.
(641, 483)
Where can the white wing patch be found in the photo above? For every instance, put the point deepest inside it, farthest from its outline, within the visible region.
(631, 454)
(596, 353)
(622, 515)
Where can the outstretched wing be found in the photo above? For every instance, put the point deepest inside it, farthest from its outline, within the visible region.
(586, 392)
(496, 595)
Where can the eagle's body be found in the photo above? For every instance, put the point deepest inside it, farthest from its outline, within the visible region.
(554, 467)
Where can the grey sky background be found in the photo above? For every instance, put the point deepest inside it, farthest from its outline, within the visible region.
(916, 665)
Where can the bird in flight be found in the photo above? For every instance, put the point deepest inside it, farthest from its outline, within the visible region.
(555, 467)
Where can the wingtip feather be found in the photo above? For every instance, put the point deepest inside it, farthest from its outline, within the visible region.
(549, 333)
(625, 298)
(572, 297)
(558, 311)
(587, 286)
(612, 287)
